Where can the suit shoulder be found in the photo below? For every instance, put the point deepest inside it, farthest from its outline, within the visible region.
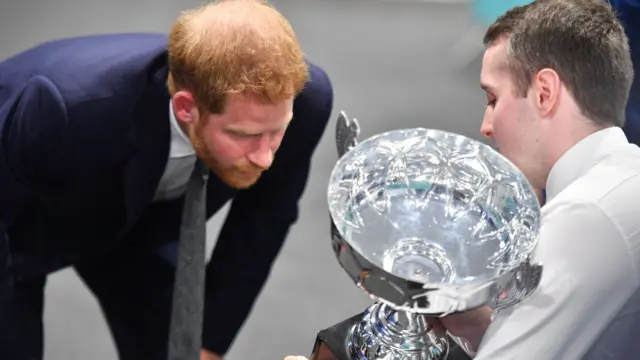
(97, 41)
(319, 83)
(315, 101)
(90, 68)
(311, 113)
(85, 61)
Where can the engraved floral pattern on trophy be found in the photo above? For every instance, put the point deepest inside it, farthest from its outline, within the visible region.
(437, 209)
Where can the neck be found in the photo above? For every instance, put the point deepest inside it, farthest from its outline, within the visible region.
(566, 135)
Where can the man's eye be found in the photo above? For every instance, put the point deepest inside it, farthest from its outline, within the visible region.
(491, 103)
(245, 135)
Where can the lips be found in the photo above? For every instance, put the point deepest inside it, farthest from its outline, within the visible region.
(249, 174)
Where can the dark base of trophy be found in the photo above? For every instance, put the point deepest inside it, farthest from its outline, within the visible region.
(369, 336)
(332, 343)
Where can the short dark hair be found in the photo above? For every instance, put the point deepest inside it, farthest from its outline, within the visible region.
(582, 40)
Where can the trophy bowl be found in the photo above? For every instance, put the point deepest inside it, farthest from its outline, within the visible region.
(428, 223)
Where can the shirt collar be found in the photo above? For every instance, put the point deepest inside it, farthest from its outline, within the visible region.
(579, 159)
(180, 143)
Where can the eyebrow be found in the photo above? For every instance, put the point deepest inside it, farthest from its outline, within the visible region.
(487, 87)
(239, 130)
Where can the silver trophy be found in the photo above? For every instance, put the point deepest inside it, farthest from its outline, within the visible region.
(427, 223)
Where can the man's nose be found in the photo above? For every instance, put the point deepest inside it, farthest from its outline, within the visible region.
(486, 129)
(263, 155)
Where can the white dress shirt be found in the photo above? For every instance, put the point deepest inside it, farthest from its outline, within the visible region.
(182, 158)
(590, 249)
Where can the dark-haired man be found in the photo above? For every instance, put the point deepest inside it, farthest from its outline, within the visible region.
(558, 74)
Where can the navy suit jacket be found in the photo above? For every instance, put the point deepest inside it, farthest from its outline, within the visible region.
(84, 139)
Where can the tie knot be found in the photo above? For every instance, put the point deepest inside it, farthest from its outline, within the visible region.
(201, 169)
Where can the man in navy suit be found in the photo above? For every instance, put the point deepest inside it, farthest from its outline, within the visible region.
(98, 136)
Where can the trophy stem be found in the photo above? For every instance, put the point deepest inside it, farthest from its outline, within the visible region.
(386, 333)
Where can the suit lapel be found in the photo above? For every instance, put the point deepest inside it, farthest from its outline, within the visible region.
(151, 138)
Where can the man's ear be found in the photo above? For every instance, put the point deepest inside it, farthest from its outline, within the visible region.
(184, 106)
(547, 85)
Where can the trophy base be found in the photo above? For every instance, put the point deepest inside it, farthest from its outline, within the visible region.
(343, 341)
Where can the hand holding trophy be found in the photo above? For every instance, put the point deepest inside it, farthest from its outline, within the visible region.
(427, 223)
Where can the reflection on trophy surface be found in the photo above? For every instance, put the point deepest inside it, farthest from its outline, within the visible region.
(427, 223)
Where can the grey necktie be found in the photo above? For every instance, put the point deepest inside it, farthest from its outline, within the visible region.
(185, 334)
